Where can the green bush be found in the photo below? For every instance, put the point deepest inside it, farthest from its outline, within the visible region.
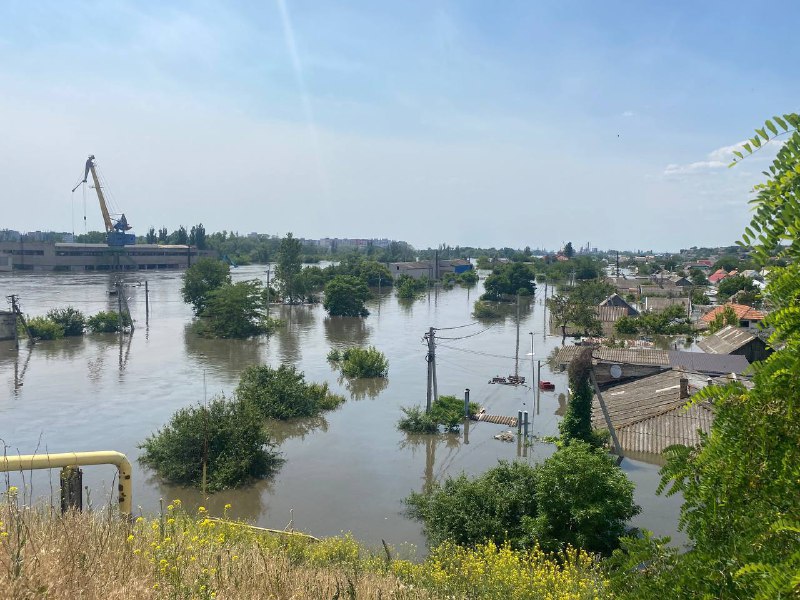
(487, 310)
(416, 420)
(235, 311)
(229, 434)
(364, 362)
(447, 412)
(576, 497)
(202, 278)
(283, 393)
(409, 288)
(45, 328)
(71, 319)
(334, 355)
(107, 322)
(467, 278)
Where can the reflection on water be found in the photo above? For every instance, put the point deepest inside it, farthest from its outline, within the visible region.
(360, 389)
(247, 503)
(280, 431)
(297, 319)
(227, 357)
(346, 331)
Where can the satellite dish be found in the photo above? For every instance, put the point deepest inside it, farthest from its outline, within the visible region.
(615, 371)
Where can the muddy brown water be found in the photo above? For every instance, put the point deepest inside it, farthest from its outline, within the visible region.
(347, 470)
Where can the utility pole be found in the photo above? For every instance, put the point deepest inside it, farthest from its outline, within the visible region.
(269, 272)
(14, 299)
(433, 391)
(146, 303)
(533, 376)
(516, 358)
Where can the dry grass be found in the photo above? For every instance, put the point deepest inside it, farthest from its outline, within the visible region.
(175, 555)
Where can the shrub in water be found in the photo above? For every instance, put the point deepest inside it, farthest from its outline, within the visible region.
(229, 434)
(283, 393)
(44, 328)
(107, 322)
(447, 411)
(71, 319)
(364, 362)
(487, 310)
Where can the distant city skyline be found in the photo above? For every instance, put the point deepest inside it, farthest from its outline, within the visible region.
(515, 124)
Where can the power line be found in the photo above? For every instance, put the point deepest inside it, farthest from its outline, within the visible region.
(456, 327)
(463, 337)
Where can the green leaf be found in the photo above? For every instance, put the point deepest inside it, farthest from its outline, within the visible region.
(756, 142)
(762, 133)
(781, 122)
(771, 127)
(747, 147)
(737, 153)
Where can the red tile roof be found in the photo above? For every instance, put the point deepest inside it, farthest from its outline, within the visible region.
(718, 275)
(742, 312)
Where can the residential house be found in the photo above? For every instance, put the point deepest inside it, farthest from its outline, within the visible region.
(619, 302)
(748, 316)
(735, 340)
(660, 304)
(717, 276)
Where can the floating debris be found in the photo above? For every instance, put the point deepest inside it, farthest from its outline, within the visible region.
(506, 436)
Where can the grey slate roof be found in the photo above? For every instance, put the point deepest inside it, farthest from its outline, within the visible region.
(649, 415)
(709, 364)
(726, 340)
(644, 356)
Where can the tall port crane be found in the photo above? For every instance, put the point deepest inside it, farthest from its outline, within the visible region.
(115, 229)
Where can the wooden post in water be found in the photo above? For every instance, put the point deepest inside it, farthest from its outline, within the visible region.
(146, 303)
(71, 489)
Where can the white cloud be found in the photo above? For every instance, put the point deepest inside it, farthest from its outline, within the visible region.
(726, 152)
(628, 113)
(703, 165)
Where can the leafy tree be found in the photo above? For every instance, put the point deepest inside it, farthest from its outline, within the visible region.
(509, 279)
(582, 499)
(345, 296)
(180, 236)
(234, 311)
(71, 320)
(626, 325)
(741, 486)
(283, 393)
(228, 435)
(163, 235)
(446, 412)
(560, 313)
(727, 316)
(577, 422)
(591, 292)
(467, 278)
(289, 265)
(728, 262)
(730, 285)
(372, 272)
(699, 297)
(569, 251)
(202, 278)
(151, 237)
(698, 277)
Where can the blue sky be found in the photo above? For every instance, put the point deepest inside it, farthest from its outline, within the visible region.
(513, 123)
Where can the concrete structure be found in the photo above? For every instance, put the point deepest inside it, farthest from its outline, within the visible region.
(735, 340)
(43, 256)
(8, 322)
(429, 269)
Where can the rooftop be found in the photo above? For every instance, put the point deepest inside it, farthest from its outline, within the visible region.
(726, 340)
(742, 312)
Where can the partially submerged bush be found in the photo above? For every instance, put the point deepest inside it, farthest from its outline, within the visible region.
(71, 319)
(487, 310)
(361, 362)
(45, 328)
(447, 412)
(228, 435)
(107, 322)
(283, 393)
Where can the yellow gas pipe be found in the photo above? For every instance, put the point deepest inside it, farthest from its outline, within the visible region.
(77, 459)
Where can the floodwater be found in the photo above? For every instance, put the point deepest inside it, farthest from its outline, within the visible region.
(347, 470)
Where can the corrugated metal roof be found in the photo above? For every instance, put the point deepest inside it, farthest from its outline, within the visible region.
(726, 340)
(710, 364)
(661, 303)
(630, 356)
(649, 414)
(610, 314)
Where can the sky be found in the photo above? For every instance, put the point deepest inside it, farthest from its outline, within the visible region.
(511, 123)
